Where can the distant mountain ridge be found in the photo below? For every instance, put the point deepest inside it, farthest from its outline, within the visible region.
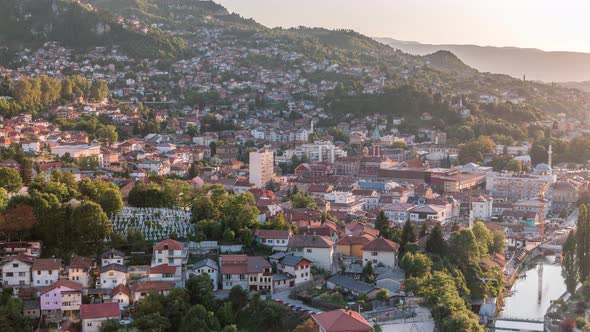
(516, 62)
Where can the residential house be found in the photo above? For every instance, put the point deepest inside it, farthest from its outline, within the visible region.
(352, 286)
(275, 239)
(93, 315)
(45, 271)
(16, 271)
(316, 248)
(60, 299)
(381, 252)
(140, 289)
(341, 320)
(170, 252)
(112, 275)
(352, 245)
(398, 212)
(80, 270)
(430, 212)
(248, 272)
(298, 267)
(208, 266)
(121, 295)
(112, 256)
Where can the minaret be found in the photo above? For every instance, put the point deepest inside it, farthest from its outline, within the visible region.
(549, 156)
(312, 126)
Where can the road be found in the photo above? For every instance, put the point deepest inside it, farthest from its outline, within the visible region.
(284, 296)
(571, 220)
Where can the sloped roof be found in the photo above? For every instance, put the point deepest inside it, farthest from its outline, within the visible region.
(381, 244)
(80, 262)
(62, 283)
(121, 289)
(272, 234)
(163, 269)
(102, 310)
(46, 264)
(170, 244)
(312, 241)
(154, 285)
(342, 321)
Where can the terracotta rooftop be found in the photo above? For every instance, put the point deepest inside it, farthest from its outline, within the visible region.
(169, 244)
(46, 264)
(149, 286)
(102, 310)
(62, 283)
(381, 244)
(342, 321)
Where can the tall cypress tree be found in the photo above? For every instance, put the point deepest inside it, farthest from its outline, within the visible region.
(408, 236)
(583, 244)
(435, 244)
(569, 269)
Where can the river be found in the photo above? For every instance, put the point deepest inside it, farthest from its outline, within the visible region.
(523, 303)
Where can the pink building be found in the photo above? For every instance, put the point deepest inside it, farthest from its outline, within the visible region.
(61, 298)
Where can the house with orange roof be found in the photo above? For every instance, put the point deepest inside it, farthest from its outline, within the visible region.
(341, 320)
(45, 271)
(381, 251)
(93, 315)
(248, 272)
(170, 252)
(121, 295)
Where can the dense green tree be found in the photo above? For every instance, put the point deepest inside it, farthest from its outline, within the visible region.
(499, 242)
(569, 269)
(111, 201)
(90, 227)
(583, 243)
(474, 150)
(200, 289)
(301, 200)
(198, 319)
(483, 237)
(408, 236)
(107, 135)
(369, 273)
(464, 246)
(99, 90)
(416, 265)
(382, 224)
(10, 179)
(435, 243)
(3, 198)
(26, 171)
(17, 221)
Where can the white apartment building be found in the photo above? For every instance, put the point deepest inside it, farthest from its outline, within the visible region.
(112, 275)
(381, 251)
(516, 186)
(261, 167)
(316, 151)
(316, 248)
(45, 271)
(16, 271)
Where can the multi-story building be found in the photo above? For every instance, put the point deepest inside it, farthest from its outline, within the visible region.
(344, 201)
(16, 271)
(261, 167)
(248, 272)
(208, 266)
(516, 186)
(298, 267)
(112, 256)
(112, 275)
(316, 248)
(317, 151)
(398, 212)
(424, 213)
(80, 269)
(381, 251)
(170, 252)
(60, 299)
(566, 193)
(45, 271)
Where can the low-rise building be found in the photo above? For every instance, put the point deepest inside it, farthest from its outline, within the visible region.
(248, 272)
(80, 270)
(275, 239)
(16, 271)
(112, 275)
(62, 298)
(316, 248)
(381, 252)
(45, 271)
(341, 320)
(93, 315)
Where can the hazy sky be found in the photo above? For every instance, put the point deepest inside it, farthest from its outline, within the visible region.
(553, 25)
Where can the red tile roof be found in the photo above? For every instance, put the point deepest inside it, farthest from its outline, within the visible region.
(169, 244)
(80, 262)
(121, 289)
(272, 234)
(163, 269)
(152, 286)
(342, 321)
(46, 264)
(62, 283)
(381, 244)
(102, 310)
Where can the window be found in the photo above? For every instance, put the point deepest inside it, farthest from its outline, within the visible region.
(9, 274)
(308, 250)
(228, 276)
(242, 277)
(15, 265)
(50, 272)
(89, 324)
(38, 273)
(374, 253)
(21, 274)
